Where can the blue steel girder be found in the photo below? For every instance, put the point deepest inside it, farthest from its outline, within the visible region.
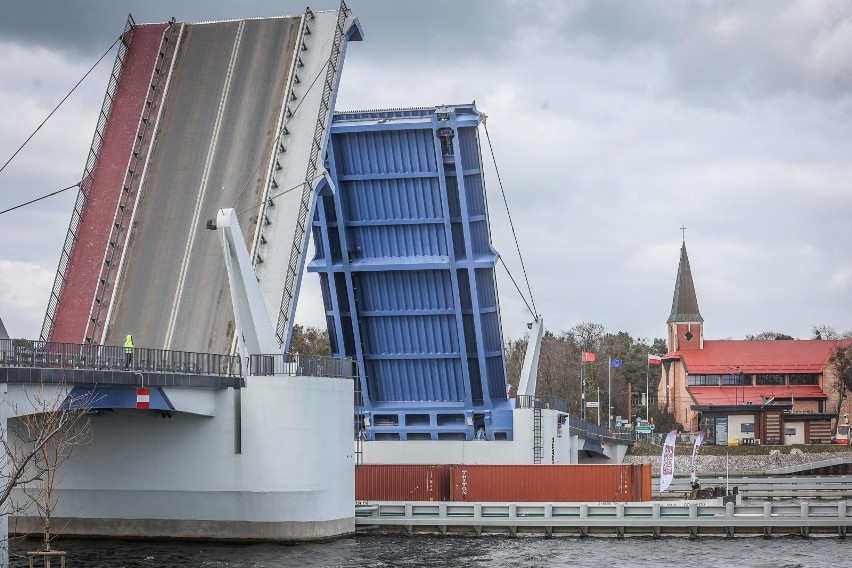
(319, 211)
(471, 272)
(452, 257)
(347, 272)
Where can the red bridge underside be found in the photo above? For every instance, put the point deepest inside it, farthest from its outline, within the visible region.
(91, 248)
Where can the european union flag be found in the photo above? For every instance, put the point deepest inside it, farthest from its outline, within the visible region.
(616, 363)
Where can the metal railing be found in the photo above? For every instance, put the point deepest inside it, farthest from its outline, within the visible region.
(652, 518)
(120, 231)
(298, 365)
(532, 401)
(50, 354)
(314, 164)
(576, 425)
(86, 182)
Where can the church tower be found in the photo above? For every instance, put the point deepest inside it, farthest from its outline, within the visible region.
(686, 326)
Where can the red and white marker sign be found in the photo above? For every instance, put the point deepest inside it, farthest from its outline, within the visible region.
(143, 397)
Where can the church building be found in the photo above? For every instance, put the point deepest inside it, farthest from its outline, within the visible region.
(751, 391)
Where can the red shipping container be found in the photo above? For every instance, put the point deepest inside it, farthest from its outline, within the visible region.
(550, 483)
(387, 482)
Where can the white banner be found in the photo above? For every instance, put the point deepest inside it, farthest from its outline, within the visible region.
(698, 440)
(667, 462)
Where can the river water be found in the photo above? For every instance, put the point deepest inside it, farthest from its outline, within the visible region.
(381, 551)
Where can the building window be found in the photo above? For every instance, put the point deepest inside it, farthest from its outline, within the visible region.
(736, 380)
(790, 431)
(805, 379)
(703, 380)
(747, 428)
(767, 379)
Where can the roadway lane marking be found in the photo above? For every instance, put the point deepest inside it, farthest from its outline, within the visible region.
(211, 151)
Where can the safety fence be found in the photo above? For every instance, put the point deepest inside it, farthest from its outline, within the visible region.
(296, 364)
(50, 354)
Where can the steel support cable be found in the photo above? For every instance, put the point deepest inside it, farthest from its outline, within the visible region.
(92, 68)
(279, 194)
(283, 127)
(40, 198)
(512, 225)
(512, 278)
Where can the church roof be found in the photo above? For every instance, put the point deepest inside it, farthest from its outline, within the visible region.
(684, 303)
(3, 333)
(730, 356)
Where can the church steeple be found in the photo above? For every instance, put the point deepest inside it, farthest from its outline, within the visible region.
(686, 329)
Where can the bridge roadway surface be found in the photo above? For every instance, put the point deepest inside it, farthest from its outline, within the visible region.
(216, 134)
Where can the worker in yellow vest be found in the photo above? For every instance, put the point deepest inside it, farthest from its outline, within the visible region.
(128, 351)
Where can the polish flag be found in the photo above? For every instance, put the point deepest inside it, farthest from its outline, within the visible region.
(655, 360)
(588, 356)
(143, 397)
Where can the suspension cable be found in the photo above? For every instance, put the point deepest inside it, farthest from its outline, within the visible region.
(534, 310)
(40, 198)
(92, 68)
(512, 278)
(279, 194)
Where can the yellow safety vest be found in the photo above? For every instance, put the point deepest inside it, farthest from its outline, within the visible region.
(128, 343)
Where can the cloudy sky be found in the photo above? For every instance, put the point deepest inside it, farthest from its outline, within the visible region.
(614, 124)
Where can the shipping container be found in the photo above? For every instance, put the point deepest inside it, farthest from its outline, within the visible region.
(550, 483)
(402, 482)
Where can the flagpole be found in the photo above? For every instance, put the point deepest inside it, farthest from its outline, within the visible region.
(583, 386)
(647, 390)
(609, 395)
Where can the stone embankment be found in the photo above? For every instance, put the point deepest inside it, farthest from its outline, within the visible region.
(739, 465)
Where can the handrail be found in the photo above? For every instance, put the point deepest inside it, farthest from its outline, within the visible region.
(55, 355)
(120, 231)
(576, 425)
(687, 517)
(86, 181)
(299, 365)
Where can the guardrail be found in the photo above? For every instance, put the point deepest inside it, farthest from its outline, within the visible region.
(50, 354)
(296, 364)
(653, 518)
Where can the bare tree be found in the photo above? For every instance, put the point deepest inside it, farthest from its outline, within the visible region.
(41, 426)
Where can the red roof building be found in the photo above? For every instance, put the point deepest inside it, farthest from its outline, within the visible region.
(776, 392)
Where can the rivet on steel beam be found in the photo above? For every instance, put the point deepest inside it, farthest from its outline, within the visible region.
(296, 78)
(266, 220)
(299, 63)
(292, 96)
(278, 165)
(304, 47)
(262, 239)
(270, 202)
(274, 184)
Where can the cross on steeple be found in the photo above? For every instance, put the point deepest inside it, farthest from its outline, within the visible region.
(683, 230)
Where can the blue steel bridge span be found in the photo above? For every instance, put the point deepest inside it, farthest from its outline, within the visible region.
(403, 250)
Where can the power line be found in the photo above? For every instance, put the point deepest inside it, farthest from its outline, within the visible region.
(92, 68)
(512, 225)
(40, 198)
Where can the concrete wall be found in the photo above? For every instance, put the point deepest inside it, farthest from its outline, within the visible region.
(146, 475)
(735, 422)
